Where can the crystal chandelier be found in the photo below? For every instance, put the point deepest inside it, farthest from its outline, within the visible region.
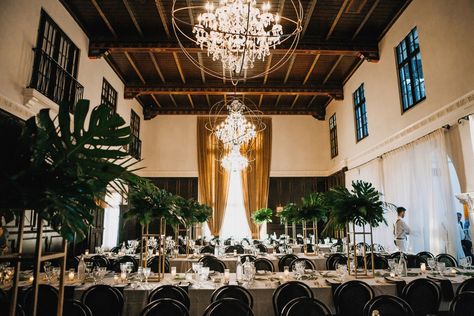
(234, 161)
(237, 33)
(235, 130)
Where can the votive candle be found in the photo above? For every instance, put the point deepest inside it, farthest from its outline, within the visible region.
(227, 274)
(86, 252)
(116, 278)
(423, 267)
(31, 279)
(235, 252)
(71, 275)
(123, 276)
(286, 271)
(173, 272)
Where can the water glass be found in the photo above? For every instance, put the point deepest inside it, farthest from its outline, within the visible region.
(468, 262)
(204, 273)
(341, 270)
(441, 267)
(431, 263)
(391, 264)
(146, 273)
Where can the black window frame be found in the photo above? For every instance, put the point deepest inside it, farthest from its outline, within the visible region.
(134, 148)
(333, 136)
(108, 95)
(360, 113)
(56, 64)
(410, 66)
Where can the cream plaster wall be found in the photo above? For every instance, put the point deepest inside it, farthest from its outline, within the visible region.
(19, 21)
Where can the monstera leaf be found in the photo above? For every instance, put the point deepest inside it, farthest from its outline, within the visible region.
(289, 213)
(262, 215)
(313, 207)
(362, 205)
(72, 165)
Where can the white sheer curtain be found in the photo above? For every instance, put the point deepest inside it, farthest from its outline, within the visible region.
(111, 220)
(416, 176)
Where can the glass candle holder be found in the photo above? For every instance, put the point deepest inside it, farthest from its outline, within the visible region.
(86, 252)
(71, 274)
(173, 272)
(423, 267)
(227, 274)
(286, 271)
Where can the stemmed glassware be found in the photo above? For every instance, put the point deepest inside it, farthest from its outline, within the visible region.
(431, 263)
(146, 273)
(391, 264)
(299, 269)
(341, 270)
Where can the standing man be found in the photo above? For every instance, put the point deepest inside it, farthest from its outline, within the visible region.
(401, 231)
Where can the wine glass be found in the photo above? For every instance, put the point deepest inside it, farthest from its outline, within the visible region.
(441, 267)
(129, 268)
(89, 267)
(391, 264)
(341, 270)
(146, 273)
(431, 263)
(56, 272)
(48, 271)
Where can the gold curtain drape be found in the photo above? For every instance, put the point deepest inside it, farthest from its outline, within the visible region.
(256, 178)
(213, 179)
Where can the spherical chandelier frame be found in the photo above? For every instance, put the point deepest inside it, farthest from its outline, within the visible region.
(290, 38)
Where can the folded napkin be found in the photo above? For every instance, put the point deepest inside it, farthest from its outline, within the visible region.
(399, 283)
(447, 291)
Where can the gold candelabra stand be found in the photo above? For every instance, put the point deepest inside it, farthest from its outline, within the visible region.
(352, 251)
(308, 229)
(144, 255)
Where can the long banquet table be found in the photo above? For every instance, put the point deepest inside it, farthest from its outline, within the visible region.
(262, 290)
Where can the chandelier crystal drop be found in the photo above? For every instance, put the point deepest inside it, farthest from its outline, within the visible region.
(237, 33)
(235, 130)
(234, 161)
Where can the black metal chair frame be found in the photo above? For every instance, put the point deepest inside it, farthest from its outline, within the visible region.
(231, 301)
(344, 286)
(282, 287)
(113, 290)
(226, 288)
(291, 304)
(283, 261)
(181, 292)
(465, 296)
(307, 262)
(153, 305)
(427, 283)
(268, 262)
(395, 299)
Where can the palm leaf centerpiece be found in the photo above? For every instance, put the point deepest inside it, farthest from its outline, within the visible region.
(262, 215)
(313, 207)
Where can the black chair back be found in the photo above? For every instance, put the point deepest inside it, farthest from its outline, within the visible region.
(377, 248)
(334, 259)
(154, 261)
(213, 263)
(125, 259)
(47, 300)
(287, 292)
(244, 258)
(103, 300)
(285, 261)
(388, 305)
(264, 264)
(309, 264)
(350, 297)
(100, 261)
(423, 296)
(230, 249)
(299, 240)
(240, 249)
(305, 306)
(207, 249)
(165, 306)
(462, 304)
(380, 262)
(115, 249)
(449, 260)
(235, 292)
(5, 304)
(396, 256)
(76, 308)
(414, 261)
(466, 286)
(426, 255)
(262, 248)
(228, 307)
(170, 291)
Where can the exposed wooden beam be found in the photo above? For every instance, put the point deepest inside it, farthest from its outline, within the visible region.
(134, 66)
(310, 71)
(308, 15)
(204, 111)
(311, 101)
(114, 68)
(208, 101)
(294, 101)
(332, 69)
(290, 67)
(178, 65)
(267, 68)
(394, 18)
(277, 100)
(353, 70)
(132, 16)
(173, 100)
(162, 14)
(260, 100)
(191, 19)
(157, 68)
(156, 100)
(98, 48)
(132, 91)
(366, 18)
(203, 75)
(336, 19)
(103, 17)
(190, 98)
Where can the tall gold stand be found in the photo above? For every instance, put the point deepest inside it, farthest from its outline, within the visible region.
(352, 251)
(187, 232)
(144, 256)
(314, 230)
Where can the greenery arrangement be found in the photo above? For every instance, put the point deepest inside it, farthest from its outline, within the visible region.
(149, 202)
(362, 205)
(192, 212)
(262, 215)
(289, 213)
(62, 167)
(313, 207)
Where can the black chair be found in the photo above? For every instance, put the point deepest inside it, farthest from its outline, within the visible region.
(245, 241)
(199, 242)
(207, 249)
(235, 292)
(380, 262)
(363, 245)
(462, 305)
(285, 261)
(103, 300)
(305, 306)
(228, 242)
(466, 286)
(262, 248)
(388, 305)
(423, 296)
(299, 240)
(76, 308)
(125, 259)
(287, 292)
(165, 306)
(426, 255)
(100, 261)
(308, 264)
(334, 259)
(448, 260)
(240, 249)
(396, 256)
(115, 249)
(230, 249)
(377, 248)
(228, 307)
(47, 303)
(214, 264)
(170, 291)
(414, 261)
(244, 258)
(264, 264)
(350, 297)
(5, 304)
(206, 258)
(154, 261)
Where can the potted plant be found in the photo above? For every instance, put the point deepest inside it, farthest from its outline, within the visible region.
(288, 216)
(313, 208)
(262, 216)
